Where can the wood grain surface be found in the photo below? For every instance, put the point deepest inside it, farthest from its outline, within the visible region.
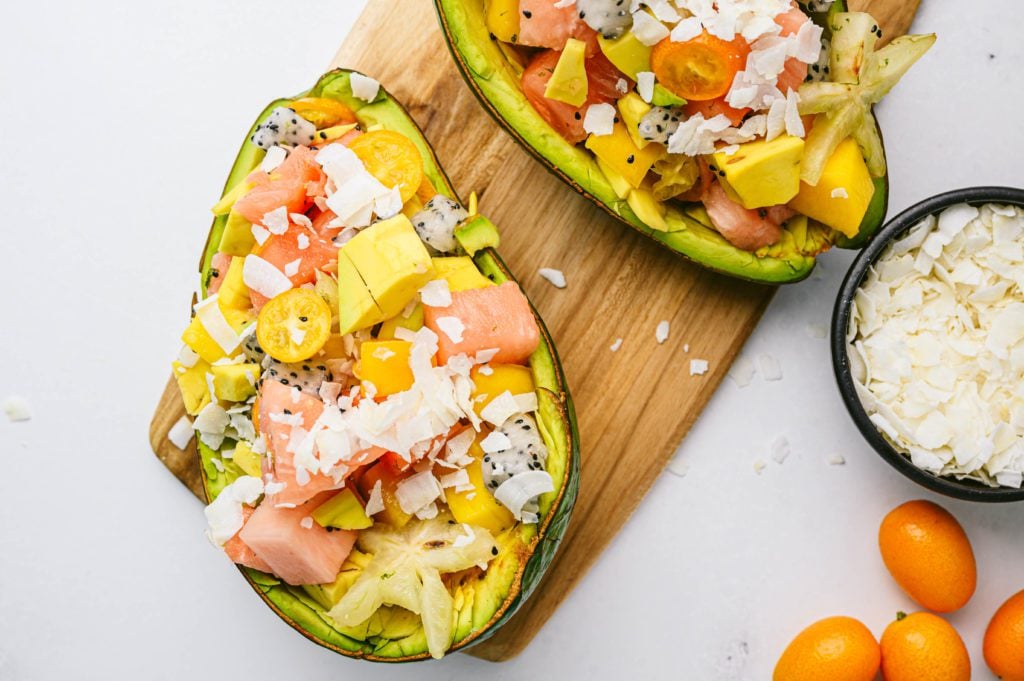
(635, 405)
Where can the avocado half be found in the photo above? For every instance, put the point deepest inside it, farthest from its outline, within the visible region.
(483, 601)
(495, 80)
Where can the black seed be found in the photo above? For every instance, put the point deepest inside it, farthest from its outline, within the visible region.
(519, 422)
(578, 115)
(762, 213)
(323, 135)
(305, 367)
(284, 381)
(630, 159)
(288, 412)
(527, 13)
(303, 319)
(493, 37)
(494, 550)
(293, 374)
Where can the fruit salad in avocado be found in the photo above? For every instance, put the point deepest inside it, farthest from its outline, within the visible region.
(738, 133)
(387, 443)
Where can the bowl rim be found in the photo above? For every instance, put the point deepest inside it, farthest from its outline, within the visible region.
(968, 490)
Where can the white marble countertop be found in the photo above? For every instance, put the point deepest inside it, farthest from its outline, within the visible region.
(123, 116)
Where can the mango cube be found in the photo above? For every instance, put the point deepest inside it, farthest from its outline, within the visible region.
(233, 293)
(514, 378)
(619, 152)
(627, 53)
(632, 109)
(195, 392)
(762, 173)
(392, 263)
(503, 19)
(249, 461)
(196, 337)
(385, 364)
(235, 382)
(343, 511)
(356, 307)
(842, 195)
(478, 506)
(460, 272)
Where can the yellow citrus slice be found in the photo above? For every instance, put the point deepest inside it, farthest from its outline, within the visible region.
(294, 325)
(392, 158)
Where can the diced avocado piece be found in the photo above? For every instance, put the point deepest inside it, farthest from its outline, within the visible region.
(627, 53)
(237, 238)
(503, 19)
(619, 184)
(343, 511)
(392, 261)
(385, 364)
(461, 273)
(223, 207)
(414, 322)
(618, 152)
(663, 97)
(568, 81)
(234, 382)
(196, 337)
(356, 307)
(843, 193)
(195, 391)
(249, 461)
(632, 108)
(762, 173)
(476, 234)
(233, 292)
(648, 209)
(478, 506)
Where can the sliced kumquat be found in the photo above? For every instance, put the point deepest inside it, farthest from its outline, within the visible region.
(294, 325)
(392, 158)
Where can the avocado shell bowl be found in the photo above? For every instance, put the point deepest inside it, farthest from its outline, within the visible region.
(494, 79)
(969, 490)
(488, 599)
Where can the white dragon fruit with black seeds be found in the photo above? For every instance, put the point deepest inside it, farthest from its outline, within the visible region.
(659, 124)
(819, 69)
(610, 18)
(526, 453)
(283, 125)
(817, 5)
(437, 221)
(251, 347)
(307, 376)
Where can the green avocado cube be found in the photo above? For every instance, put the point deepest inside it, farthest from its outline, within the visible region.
(568, 81)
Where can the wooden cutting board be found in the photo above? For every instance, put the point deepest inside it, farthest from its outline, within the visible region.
(634, 405)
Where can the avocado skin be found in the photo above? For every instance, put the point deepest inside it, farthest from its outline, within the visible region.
(536, 544)
(496, 86)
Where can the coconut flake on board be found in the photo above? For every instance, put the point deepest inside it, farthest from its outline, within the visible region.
(661, 331)
(937, 344)
(554, 277)
(364, 87)
(17, 408)
(181, 433)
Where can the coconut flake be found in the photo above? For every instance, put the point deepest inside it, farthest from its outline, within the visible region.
(436, 293)
(661, 331)
(780, 449)
(276, 221)
(260, 234)
(647, 29)
(364, 87)
(496, 441)
(451, 327)
(555, 277)
(264, 278)
(645, 85)
(499, 409)
(181, 433)
(17, 408)
(224, 516)
(520, 489)
(698, 367)
(614, 347)
(375, 504)
(770, 367)
(292, 268)
(839, 193)
(599, 119)
(687, 30)
(212, 318)
(275, 157)
(417, 491)
(742, 372)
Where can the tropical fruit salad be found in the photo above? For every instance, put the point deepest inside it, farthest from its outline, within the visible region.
(375, 412)
(748, 118)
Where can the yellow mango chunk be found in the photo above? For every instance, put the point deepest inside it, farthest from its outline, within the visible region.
(842, 195)
(414, 322)
(762, 173)
(249, 461)
(461, 273)
(385, 364)
(334, 348)
(196, 337)
(619, 153)
(503, 19)
(514, 378)
(233, 292)
(392, 262)
(650, 211)
(356, 307)
(478, 506)
(195, 391)
(235, 382)
(632, 109)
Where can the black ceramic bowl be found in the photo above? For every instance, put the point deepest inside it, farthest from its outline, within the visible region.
(961, 489)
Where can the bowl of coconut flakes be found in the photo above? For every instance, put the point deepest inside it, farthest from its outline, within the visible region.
(928, 343)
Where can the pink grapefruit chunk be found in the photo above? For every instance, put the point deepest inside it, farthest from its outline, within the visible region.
(278, 402)
(293, 184)
(296, 553)
(541, 24)
(496, 317)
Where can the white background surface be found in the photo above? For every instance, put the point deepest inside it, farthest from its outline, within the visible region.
(122, 120)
